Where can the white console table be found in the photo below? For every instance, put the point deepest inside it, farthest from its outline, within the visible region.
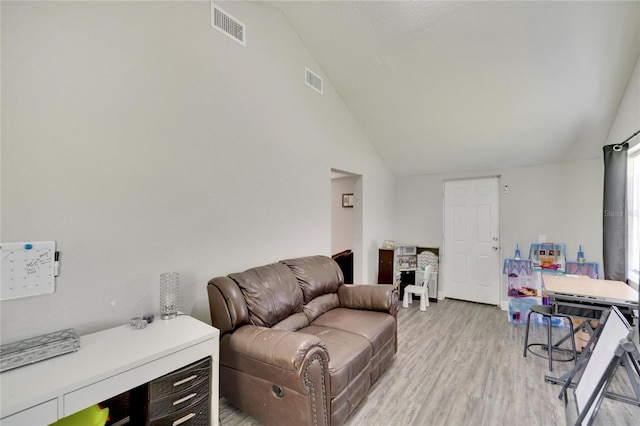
(108, 363)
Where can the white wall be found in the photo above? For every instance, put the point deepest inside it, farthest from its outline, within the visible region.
(562, 201)
(143, 141)
(341, 217)
(627, 120)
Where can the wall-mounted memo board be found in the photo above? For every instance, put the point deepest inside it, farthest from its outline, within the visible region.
(27, 269)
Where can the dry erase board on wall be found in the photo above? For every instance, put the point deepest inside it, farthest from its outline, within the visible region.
(27, 269)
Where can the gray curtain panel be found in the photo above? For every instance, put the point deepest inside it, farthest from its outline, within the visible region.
(614, 213)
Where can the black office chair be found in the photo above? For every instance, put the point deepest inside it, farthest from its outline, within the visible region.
(546, 312)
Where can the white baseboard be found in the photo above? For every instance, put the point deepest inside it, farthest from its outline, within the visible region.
(504, 305)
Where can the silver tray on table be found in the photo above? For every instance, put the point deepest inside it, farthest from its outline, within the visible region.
(28, 351)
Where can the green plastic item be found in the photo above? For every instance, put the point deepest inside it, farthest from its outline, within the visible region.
(92, 416)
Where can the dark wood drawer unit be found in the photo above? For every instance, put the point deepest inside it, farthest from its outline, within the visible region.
(188, 377)
(182, 397)
(162, 406)
(197, 414)
(385, 266)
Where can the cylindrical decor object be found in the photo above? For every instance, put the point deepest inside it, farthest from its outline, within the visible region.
(169, 282)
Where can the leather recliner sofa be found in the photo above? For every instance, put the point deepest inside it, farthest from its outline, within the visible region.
(297, 346)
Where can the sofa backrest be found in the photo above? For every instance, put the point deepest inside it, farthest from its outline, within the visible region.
(286, 295)
(317, 275)
(272, 293)
(227, 306)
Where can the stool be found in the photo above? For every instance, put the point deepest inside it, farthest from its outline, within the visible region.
(546, 312)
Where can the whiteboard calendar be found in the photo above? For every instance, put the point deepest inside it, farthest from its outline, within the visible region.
(27, 269)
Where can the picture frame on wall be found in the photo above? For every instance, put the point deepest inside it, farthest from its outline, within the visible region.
(347, 200)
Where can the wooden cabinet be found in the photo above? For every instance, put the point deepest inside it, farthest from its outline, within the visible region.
(385, 266)
(391, 262)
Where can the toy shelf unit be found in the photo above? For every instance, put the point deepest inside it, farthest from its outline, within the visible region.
(548, 256)
(589, 269)
(524, 289)
(520, 281)
(406, 258)
(525, 286)
(519, 307)
(404, 265)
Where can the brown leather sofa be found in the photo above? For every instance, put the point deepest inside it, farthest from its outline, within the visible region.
(297, 346)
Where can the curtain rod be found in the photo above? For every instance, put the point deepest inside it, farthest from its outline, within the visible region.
(618, 146)
(630, 137)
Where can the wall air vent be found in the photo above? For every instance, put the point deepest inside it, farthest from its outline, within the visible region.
(313, 80)
(228, 25)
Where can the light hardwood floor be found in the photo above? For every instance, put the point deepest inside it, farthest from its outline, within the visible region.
(461, 363)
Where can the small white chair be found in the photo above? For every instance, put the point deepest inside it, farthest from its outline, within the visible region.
(422, 290)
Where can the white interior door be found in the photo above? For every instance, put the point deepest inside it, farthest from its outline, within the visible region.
(471, 241)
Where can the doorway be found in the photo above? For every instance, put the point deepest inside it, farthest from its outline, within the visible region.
(346, 218)
(471, 240)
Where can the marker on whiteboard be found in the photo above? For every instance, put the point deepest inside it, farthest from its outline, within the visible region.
(56, 264)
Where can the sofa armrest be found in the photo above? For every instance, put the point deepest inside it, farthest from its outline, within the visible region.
(277, 376)
(379, 297)
(283, 349)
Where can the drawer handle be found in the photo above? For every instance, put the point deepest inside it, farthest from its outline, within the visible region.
(183, 419)
(186, 398)
(183, 381)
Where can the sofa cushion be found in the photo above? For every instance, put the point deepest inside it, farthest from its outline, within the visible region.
(292, 323)
(271, 292)
(320, 305)
(377, 327)
(316, 275)
(349, 355)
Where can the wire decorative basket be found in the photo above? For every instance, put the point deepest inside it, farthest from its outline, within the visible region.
(34, 349)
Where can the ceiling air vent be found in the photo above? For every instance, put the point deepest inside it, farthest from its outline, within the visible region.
(313, 80)
(228, 25)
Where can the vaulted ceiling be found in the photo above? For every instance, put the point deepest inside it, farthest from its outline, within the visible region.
(459, 86)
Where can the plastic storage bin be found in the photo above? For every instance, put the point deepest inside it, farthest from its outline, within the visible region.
(92, 416)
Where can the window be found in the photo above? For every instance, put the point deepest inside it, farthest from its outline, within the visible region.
(633, 214)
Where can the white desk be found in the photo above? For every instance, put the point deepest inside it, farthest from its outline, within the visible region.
(108, 363)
